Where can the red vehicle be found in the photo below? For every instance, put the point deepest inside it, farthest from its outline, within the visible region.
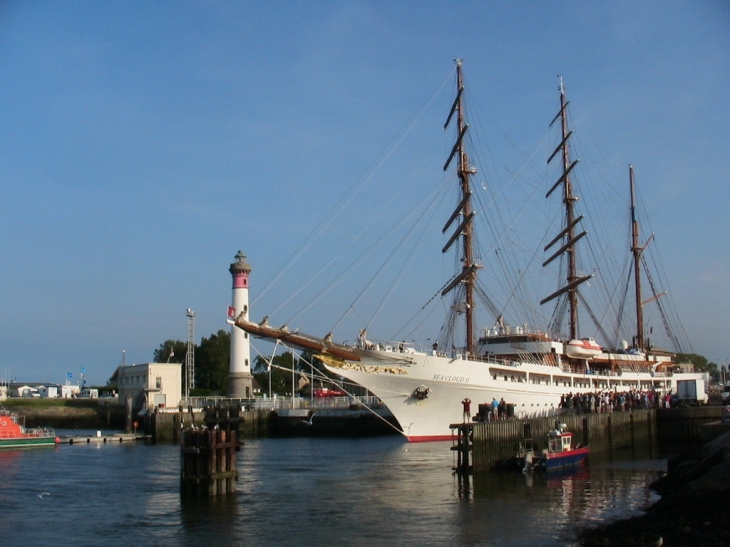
(322, 392)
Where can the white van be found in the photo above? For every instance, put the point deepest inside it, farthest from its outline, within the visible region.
(726, 394)
(89, 394)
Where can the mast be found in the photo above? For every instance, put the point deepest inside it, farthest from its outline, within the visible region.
(636, 251)
(467, 276)
(569, 232)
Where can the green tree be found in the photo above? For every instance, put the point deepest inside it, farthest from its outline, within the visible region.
(212, 362)
(171, 351)
(700, 362)
(281, 376)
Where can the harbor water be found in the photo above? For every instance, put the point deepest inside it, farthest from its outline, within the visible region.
(306, 491)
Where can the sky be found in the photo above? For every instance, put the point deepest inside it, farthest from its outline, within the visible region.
(142, 144)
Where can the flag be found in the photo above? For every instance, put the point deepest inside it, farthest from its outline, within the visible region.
(231, 312)
(69, 375)
(172, 352)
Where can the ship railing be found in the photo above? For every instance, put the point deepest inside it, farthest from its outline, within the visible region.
(493, 360)
(278, 403)
(41, 432)
(507, 330)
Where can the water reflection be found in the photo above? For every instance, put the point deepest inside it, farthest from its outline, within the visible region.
(303, 492)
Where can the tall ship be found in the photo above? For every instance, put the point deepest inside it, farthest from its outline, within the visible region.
(530, 369)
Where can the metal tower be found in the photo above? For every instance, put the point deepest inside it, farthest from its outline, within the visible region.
(190, 357)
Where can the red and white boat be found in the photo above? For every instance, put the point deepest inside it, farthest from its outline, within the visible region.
(560, 453)
(585, 348)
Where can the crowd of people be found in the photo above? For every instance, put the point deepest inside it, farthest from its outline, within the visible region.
(610, 401)
(580, 403)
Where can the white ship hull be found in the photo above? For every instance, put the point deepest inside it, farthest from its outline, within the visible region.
(534, 390)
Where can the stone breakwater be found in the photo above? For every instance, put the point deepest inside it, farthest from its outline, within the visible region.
(692, 510)
(73, 417)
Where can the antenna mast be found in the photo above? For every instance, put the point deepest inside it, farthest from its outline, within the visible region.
(190, 355)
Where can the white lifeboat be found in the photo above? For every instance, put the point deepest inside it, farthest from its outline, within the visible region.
(585, 348)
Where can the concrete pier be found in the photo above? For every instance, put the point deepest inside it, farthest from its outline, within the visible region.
(104, 438)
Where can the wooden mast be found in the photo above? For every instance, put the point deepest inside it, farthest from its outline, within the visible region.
(569, 233)
(636, 251)
(464, 209)
(569, 200)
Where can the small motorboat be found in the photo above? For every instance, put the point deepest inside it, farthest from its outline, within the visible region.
(560, 452)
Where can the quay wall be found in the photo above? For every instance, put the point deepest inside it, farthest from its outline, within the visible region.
(167, 426)
(258, 423)
(684, 426)
(667, 430)
(494, 444)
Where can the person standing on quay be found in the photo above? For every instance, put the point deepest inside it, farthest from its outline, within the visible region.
(467, 409)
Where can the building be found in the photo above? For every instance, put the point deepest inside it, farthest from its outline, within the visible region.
(67, 391)
(150, 384)
(48, 391)
(26, 390)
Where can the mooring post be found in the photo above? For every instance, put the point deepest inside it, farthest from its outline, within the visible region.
(463, 447)
(208, 462)
(128, 414)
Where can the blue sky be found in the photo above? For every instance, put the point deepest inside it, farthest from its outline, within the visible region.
(143, 143)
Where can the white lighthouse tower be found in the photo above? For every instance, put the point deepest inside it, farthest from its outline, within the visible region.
(240, 380)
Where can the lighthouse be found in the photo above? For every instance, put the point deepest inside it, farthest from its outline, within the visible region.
(240, 380)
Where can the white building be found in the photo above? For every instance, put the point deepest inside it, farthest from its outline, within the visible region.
(27, 391)
(150, 384)
(48, 392)
(68, 391)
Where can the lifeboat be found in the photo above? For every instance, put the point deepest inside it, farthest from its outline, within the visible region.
(14, 435)
(585, 348)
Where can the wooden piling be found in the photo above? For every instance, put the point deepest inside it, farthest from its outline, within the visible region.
(462, 445)
(208, 462)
